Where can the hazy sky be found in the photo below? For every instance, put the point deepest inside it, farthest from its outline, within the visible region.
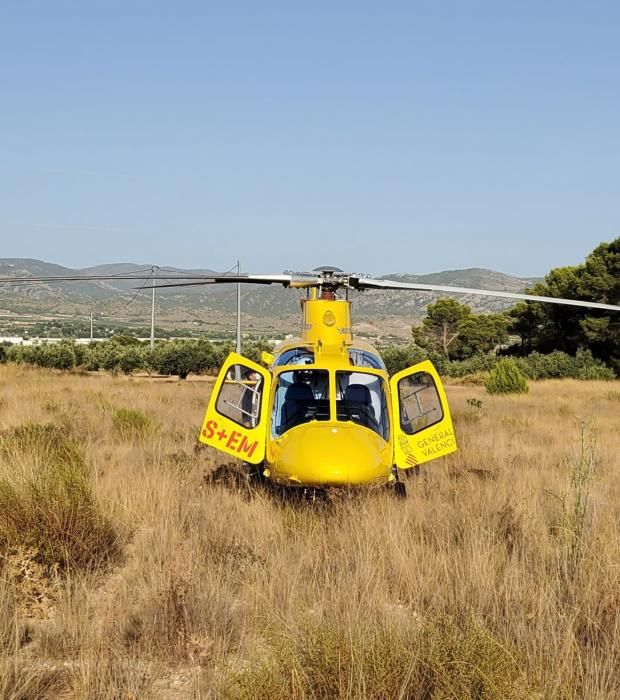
(376, 136)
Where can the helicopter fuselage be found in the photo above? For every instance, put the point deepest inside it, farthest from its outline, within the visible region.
(325, 412)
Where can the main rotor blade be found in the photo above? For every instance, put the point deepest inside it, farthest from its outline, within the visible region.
(295, 281)
(94, 278)
(298, 281)
(364, 283)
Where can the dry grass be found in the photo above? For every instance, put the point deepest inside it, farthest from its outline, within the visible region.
(499, 576)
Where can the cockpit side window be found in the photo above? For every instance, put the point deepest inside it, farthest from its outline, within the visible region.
(301, 396)
(361, 398)
(296, 356)
(363, 358)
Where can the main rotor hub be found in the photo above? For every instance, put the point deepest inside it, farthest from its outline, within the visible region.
(327, 269)
(329, 279)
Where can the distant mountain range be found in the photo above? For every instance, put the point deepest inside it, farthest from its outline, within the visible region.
(270, 306)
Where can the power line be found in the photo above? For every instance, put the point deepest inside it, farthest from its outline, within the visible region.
(197, 275)
(133, 298)
(131, 272)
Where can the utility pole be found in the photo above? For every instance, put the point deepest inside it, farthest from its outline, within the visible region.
(238, 346)
(153, 309)
(238, 343)
(91, 325)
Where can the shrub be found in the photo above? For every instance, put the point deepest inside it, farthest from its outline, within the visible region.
(472, 365)
(220, 352)
(506, 378)
(583, 365)
(441, 660)
(8, 617)
(253, 349)
(27, 681)
(46, 501)
(131, 424)
(81, 355)
(110, 357)
(92, 358)
(60, 356)
(125, 341)
(589, 367)
(399, 357)
(183, 357)
(131, 360)
(57, 356)
(112, 677)
(16, 354)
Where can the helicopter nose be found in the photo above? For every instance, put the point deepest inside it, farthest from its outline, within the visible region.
(334, 455)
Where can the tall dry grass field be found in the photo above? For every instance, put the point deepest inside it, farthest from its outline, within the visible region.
(129, 571)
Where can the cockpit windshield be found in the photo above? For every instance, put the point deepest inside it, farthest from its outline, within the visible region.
(361, 398)
(363, 358)
(296, 356)
(301, 396)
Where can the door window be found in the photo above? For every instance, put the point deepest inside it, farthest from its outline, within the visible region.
(420, 404)
(240, 394)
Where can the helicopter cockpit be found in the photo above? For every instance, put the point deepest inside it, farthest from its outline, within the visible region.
(302, 395)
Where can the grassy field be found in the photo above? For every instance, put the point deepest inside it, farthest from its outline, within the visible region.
(130, 570)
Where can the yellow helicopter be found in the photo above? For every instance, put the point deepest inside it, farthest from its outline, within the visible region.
(324, 412)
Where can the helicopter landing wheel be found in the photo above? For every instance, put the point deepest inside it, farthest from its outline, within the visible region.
(254, 473)
(400, 490)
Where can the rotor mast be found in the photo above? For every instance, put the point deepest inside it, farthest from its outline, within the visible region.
(326, 319)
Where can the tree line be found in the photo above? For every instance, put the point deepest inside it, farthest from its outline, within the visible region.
(126, 355)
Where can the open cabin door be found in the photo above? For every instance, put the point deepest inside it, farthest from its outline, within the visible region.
(237, 415)
(422, 424)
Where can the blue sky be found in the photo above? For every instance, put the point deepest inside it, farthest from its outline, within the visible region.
(379, 137)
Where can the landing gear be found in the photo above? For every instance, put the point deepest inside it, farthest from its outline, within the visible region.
(400, 490)
(254, 473)
(313, 495)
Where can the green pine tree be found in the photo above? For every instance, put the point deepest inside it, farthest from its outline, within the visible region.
(506, 378)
